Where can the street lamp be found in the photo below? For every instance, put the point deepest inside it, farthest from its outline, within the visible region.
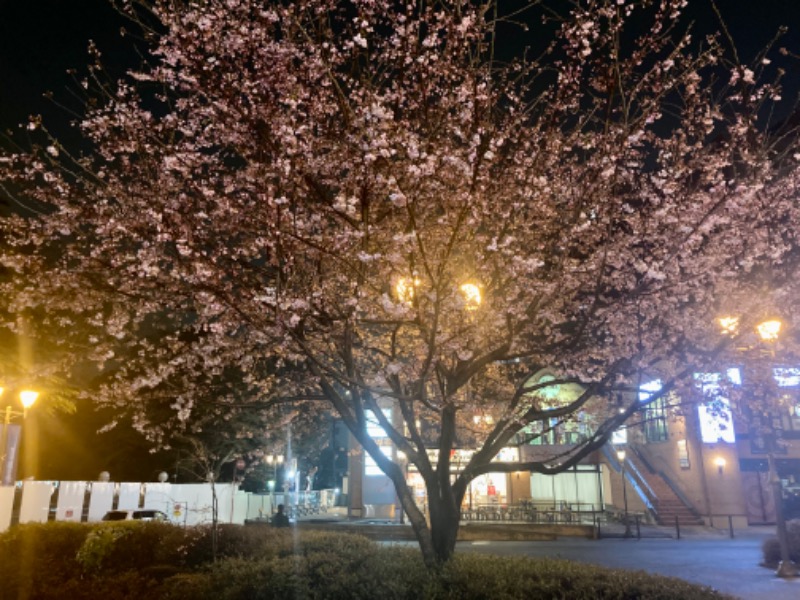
(621, 458)
(27, 399)
(273, 461)
(768, 331)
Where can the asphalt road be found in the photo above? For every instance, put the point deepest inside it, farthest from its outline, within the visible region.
(728, 565)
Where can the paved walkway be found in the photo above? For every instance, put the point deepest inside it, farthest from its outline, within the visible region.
(701, 556)
(704, 556)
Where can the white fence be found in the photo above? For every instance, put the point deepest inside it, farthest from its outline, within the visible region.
(184, 503)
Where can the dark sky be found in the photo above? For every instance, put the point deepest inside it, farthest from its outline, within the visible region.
(41, 39)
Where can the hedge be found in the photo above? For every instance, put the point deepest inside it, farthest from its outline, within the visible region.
(117, 561)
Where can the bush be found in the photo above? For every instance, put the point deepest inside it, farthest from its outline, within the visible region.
(120, 546)
(345, 567)
(38, 557)
(312, 565)
(113, 561)
(473, 577)
(234, 541)
(771, 549)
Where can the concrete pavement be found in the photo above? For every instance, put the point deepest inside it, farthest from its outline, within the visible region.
(704, 556)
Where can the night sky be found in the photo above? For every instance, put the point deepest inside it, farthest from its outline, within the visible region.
(41, 39)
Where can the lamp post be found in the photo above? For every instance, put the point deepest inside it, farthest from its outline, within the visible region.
(273, 461)
(768, 332)
(621, 458)
(27, 399)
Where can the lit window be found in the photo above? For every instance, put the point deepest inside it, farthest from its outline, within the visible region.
(716, 418)
(374, 430)
(787, 377)
(648, 389)
(654, 412)
(620, 436)
(371, 467)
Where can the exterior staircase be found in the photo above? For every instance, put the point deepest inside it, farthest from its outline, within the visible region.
(668, 507)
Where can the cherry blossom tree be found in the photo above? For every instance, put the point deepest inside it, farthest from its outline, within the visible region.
(408, 212)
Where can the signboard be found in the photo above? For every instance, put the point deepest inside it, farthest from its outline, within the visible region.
(8, 469)
(683, 454)
(462, 457)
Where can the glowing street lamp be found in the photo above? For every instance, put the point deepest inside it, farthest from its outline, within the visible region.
(729, 325)
(769, 331)
(27, 399)
(472, 295)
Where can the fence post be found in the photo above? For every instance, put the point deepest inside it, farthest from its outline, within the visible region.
(596, 519)
(677, 527)
(638, 530)
(730, 525)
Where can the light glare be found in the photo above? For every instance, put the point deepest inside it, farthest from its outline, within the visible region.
(769, 330)
(28, 397)
(472, 295)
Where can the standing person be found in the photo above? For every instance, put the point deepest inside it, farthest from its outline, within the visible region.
(279, 519)
(310, 478)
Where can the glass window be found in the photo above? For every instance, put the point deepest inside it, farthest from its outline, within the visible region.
(374, 430)
(716, 418)
(789, 378)
(556, 431)
(371, 467)
(654, 412)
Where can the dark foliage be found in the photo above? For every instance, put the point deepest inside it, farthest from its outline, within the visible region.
(117, 561)
(772, 549)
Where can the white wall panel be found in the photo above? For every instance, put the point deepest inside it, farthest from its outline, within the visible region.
(70, 500)
(129, 496)
(102, 499)
(35, 506)
(6, 505)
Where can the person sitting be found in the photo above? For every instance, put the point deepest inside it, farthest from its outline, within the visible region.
(279, 519)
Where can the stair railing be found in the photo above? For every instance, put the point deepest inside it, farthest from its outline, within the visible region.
(631, 466)
(675, 489)
(634, 483)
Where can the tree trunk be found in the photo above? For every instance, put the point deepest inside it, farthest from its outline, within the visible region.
(445, 518)
(437, 534)
(214, 521)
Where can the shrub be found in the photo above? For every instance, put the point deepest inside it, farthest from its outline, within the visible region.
(37, 557)
(771, 549)
(121, 546)
(146, 560)
(344, 567)
(234, 541)
(323, 566)
(473, 577)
